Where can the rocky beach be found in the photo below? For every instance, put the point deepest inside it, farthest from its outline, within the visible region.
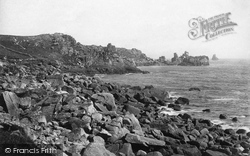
(80, 115)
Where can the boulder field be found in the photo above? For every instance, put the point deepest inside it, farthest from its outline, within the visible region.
(79, 115)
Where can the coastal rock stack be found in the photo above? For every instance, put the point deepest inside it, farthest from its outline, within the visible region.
(186, 60)
(79, 115)
(214, 58)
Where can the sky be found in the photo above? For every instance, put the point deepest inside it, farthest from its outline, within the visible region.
(156, 27)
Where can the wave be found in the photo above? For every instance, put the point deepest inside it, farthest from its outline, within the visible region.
(169, 111)
(224, 125)
(226, 99)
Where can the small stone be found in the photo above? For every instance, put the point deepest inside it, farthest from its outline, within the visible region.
(206, 110)
(229, 131)
(204, 131)
(182, 100)
(86, 119)
(156, 153)
(195, 132)
(42, 120)
(141, 153)
(96, 116)
(235, 119)
(177, 107)
(223, 116)
(186, 116)
(1, 109)
(25, 103)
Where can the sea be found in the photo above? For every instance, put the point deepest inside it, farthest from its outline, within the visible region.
(224, 88)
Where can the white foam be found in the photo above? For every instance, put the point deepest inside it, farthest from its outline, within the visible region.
(225, 99)
(240, 116)
(128, 74)
(169, 111)
(195, 110)
(234, 126)
(218, 122)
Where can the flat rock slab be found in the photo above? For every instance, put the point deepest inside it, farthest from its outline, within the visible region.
(133, 138)
(11, 103)
(96, 149)
(106, 99)
(215, 153)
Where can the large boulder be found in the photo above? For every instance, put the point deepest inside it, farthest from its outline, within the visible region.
(10, 103)
(97, 148)
(182, 100)
(107, 99)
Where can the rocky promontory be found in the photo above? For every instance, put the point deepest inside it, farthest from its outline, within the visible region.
(73, 114)
(65, 50)
(186, 60)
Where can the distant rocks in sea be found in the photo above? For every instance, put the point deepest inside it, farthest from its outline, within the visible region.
(214, 58)
(186, 60)
(183, 60)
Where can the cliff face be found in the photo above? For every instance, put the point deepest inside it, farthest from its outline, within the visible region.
(186, 60)
(64, 49)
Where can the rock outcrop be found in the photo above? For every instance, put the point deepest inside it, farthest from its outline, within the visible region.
(214, 58)
(186, 60)
(65, 50)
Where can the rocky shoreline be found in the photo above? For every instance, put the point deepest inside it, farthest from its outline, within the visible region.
(81, 115)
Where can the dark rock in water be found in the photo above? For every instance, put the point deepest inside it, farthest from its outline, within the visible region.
(223, 116)
(241, 131)
(214, 58)
(207, 122)
(186, 116)
(248, 134)
(182, 100)
(235, 119)
(229, 131)
(177, 107)
(141, 153)
(194, 89)
(206, 110)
